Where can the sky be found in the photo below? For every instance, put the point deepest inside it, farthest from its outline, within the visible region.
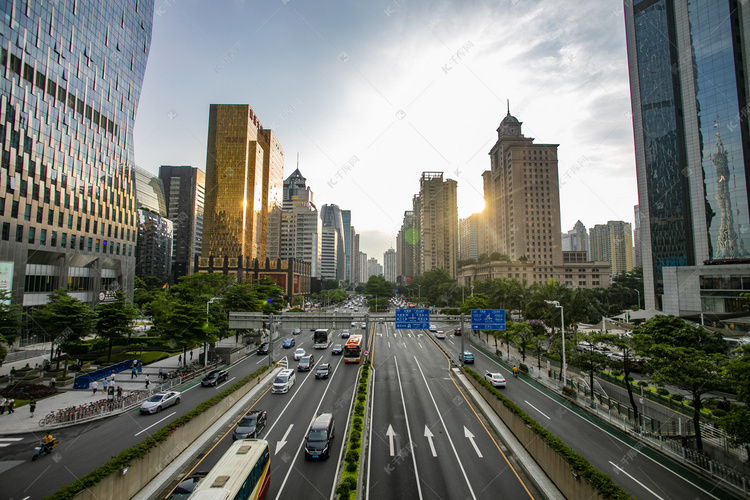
(370, 94)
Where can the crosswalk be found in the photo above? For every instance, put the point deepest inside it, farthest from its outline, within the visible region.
(8, 441)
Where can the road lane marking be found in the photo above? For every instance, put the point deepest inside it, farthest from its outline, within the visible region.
(537, 409)
(408, 430)
(445, 428)
(634, 479)
(156, 423)
(468, 434)
(225, 383)
(280, 444)
(3, 443)
(429, 435)
(420, 345)
(390, 435)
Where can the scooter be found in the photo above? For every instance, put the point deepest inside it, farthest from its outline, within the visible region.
(44, 450)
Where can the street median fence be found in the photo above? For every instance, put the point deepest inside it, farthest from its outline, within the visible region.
(126, 474)
(573, 475)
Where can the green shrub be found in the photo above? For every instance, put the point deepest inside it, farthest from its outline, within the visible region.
(569, 391)
(523, 368)
(677, 397)
(351, 456)
(351, 466)
(662, 391)
(361, 397)
(357, 425)
(642, 383)
(359, 408)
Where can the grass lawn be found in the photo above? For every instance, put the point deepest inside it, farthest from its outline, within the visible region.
(146, 357)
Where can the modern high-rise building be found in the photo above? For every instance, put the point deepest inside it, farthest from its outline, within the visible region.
(389, 265)
(577, 239)
(436, 224)
(153, 250)
(354, 259)
(637, 238)
(273, 193)
(405, 245)
(469, 238)
(346, 218)
(523, 197)
(612, 242)
(335, 247)
(363, 276)
(373, 267)
(689, 86)
(301, 229)
(234, 225)
(70, 84)
(185, 191)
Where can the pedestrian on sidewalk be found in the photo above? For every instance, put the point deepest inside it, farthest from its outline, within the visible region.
(119, 391)
(2, 405)
(9, 405)
(32, 407)
(148, 382)
(112, 376)
(105, 383)
(12, 372)
(161, 373)
(94, 386)
(133, 373)
(191, 355)
(179, 360)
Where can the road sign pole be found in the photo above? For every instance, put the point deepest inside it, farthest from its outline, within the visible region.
(461, 357)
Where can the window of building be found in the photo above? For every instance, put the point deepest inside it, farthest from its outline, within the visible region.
(73, 241)
(27, 212)
(70, 221)
(6, 231)
(32, 235)
(42, 236)
(39, 214)
(63, 240)
(19, 233)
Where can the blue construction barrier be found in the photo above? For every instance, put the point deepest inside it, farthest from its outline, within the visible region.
(83, 381)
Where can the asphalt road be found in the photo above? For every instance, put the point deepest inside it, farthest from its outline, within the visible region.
(639, 470)
(427, 442)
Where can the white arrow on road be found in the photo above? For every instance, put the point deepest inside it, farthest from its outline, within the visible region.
(390, 435)
(468, 434)
(429, 435)
(280, 444)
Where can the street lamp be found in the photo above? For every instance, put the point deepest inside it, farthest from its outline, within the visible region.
(562, 327)
(205, 351)
(472, 290)
(419, 297)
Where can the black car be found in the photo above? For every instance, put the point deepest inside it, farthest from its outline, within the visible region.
(337, 349)
(323, 371)
(186, 487)
(263, 348)
(306, 362)
(456, 331)
(215, 378)
(250, 425)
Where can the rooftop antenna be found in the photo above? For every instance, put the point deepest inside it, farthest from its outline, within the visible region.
(297, 160)
(508, 101)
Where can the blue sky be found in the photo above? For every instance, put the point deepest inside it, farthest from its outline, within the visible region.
(372, 94)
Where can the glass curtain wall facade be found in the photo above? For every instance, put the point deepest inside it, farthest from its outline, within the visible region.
(71, 78)
(690, 114)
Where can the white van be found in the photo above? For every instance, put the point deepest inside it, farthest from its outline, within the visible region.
(283, 381)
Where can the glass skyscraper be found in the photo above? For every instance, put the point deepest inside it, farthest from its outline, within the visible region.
(71, 79)
(689, 90)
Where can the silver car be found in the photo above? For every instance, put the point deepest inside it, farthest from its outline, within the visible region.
(496, 379)
(159, 401)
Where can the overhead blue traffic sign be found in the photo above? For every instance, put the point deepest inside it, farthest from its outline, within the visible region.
(488, 319)
(412, 319)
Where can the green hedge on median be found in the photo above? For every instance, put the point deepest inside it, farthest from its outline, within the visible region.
(139, 451)
(602, 482)
(349, 477)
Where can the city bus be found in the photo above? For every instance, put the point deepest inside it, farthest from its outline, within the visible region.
(353, 349)
(242, 473)
(321, 338)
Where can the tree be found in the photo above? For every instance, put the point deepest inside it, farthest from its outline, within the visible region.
(115, 319)
(62, 319)
(10, 319)
(626, 365)
(186, 326)
(241, 297)
(270, 294)
(476, 301)
(508, 335)
(735, 422)
(685, 356)
(591, 361)
(523, 333)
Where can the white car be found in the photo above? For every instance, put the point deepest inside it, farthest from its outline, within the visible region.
(354, 323)
(439, 334)
(298, 354)
(433, 328)
(496, 379)
(158, 402)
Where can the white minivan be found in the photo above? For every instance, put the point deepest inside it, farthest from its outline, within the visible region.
(283, 381)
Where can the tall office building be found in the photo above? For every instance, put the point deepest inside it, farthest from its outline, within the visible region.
(153, 250)
(689, 87)
(613, 242)
(346, 218)
(71, 80)
(272, 192)
(578, 238)
(362, 259)
(637, 238)
(333, 247)
(523, 196)
(389, 265)
(469, 238)
(354, 261)
(436, 223)
(234, 225)
(405, 245)
(185, 191)
(301, 229)
(373, 267)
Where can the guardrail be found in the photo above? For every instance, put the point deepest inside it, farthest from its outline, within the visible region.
(98, 409)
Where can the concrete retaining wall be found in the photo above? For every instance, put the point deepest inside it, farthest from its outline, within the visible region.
(119, 486)
(554, 465)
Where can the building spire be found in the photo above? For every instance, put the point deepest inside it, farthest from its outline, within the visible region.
(298, 160)
(508, 102)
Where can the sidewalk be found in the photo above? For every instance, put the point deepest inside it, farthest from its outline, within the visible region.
(20, 422)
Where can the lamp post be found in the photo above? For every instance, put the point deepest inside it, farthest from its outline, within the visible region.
(419, 291)
(472, 290)
(205, 351)
(562, 327)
